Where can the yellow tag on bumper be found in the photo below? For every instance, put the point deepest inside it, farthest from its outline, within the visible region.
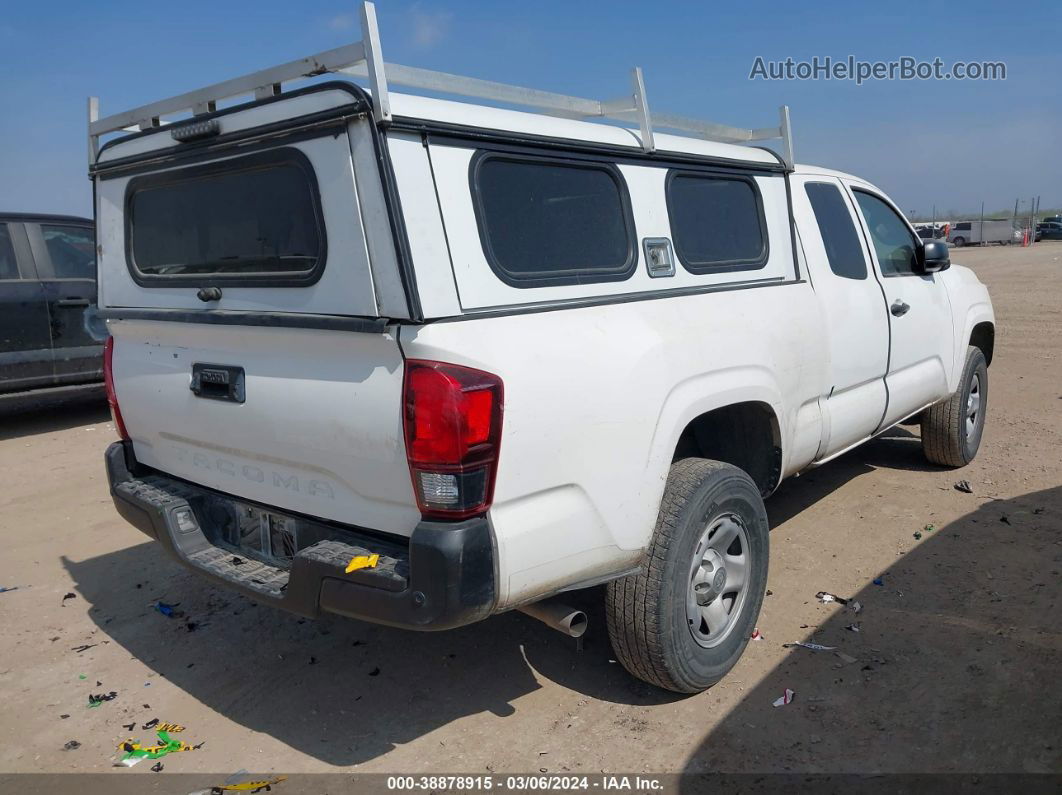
(362, 562)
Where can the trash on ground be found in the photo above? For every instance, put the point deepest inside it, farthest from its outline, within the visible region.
(157, 767)
(964, 487)
(6, 588)
(363, 562)
(879, 581)
(83, 647)
(82, 676)
(133, 752)
(1004, 519)
(165, 609)
(151, 724)
(756, 635)
(256, 785)
(785, 698)
(64, 716)
(68, 596)
(929, 528)
(826, 597)
(96, 700)
(917, 536)
(805, 645)
(375, 671)
(237, 783)
(71, 745)
(847, 659)
(129, 726)
(853, 628)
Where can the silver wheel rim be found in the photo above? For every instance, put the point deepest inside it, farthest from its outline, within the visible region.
(718, 580)
(973, 406)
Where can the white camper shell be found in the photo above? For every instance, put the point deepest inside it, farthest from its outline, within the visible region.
(420, 361)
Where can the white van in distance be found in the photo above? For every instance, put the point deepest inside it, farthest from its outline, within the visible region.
(419, 362)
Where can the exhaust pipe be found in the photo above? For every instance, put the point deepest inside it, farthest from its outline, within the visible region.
(566, 619)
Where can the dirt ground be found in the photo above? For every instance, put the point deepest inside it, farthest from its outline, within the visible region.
(957, 658)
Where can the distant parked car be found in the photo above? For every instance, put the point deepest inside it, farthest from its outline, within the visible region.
(1049, 230)
(930, 232)
(49, 337)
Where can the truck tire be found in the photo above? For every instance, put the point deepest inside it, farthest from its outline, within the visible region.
(683, 621)
(959, 242)
(952, 428)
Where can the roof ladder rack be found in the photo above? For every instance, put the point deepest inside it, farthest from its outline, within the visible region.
(364, 59)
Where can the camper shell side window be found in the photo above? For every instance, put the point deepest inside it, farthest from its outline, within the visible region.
(717, 221)
(547, 221)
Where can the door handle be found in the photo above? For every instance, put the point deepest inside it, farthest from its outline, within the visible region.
(899, 307)
(73, 302)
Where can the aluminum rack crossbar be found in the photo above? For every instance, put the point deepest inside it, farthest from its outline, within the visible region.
(365, 59)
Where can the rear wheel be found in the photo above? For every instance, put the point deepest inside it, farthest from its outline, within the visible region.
(952, 429)
(959, 242)
(683, 621)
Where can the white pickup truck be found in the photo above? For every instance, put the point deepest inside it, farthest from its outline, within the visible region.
(419, 361)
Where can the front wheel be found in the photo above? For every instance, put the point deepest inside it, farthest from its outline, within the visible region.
(952, 429)
(683, 621)
(959, 242)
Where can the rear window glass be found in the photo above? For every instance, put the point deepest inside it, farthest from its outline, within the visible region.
(254, 220)
(843, 250)
(72, 250)
(8, 265)
(544, 222)
(717, 222)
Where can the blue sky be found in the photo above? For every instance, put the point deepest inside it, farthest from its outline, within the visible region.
(953, 144)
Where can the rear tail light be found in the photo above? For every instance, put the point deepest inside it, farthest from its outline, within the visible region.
(452, 417)
(108, 380)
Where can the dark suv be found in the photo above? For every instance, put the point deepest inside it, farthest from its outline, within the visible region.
(50, 338)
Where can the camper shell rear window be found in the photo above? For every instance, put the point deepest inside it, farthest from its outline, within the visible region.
(255, 221)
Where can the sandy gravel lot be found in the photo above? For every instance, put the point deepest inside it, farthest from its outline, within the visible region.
(956, 665)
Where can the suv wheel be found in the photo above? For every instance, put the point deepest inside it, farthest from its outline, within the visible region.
(683, 621)
(952, 429)
(959, 242)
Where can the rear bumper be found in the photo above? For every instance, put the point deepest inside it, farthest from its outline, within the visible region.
(443, 578)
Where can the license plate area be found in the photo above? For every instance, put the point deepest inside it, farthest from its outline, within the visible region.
(264, 535)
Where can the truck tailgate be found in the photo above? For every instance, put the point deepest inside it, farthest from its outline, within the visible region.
(318, 432)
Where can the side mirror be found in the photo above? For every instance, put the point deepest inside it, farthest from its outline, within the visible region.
(933, 256)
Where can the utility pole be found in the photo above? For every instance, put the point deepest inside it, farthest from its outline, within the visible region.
(981, 231)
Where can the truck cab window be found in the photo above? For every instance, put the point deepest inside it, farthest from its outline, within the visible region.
(893, 241)
(839, 236)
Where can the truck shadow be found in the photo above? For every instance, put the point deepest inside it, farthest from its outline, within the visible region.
(954, 669)
(346, 692)
(339, 690)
